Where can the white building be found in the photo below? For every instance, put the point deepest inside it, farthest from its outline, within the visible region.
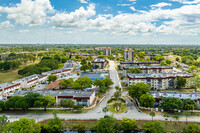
(7, 88)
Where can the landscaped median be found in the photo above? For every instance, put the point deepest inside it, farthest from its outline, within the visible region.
(117, 105)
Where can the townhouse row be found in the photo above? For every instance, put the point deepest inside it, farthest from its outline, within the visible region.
(27, 82)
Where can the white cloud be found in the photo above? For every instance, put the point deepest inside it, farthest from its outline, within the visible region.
(132, 8)
(83, 1)
(160, 5)
(75, 19)
(124, 4)
(187, 1)
(32, 13)
(5, 24)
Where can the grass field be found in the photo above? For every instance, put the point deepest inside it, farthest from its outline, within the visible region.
(123, 108)
(9, 76)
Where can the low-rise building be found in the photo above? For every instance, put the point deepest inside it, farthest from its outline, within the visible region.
(150, 56)
(27, 81)
(139, 63)
(150, 69)
(175, 63)
(84, 55)
(7, 88)
(160, 81)
(85, 98)
(100, 62)
(159, 95)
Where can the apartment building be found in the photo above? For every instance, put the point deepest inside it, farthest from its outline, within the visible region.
(129, 55)
(159, 81)
(7, 88)
(101, 62)
(107, 51)
(85, 98)
(84, 55)
(159, 95)
(139, 63)
(149, 69)
(150, 56)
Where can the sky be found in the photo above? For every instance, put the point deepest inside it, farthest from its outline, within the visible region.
(100, 21)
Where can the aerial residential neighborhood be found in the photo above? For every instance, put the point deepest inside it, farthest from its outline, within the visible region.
(99, 66)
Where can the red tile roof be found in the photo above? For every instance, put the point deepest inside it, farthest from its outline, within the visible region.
(53, 84)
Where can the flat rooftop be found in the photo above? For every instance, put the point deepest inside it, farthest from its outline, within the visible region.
(5, 85)
(141, 62)
(74, 93)
(158, 75)
(181, 95)
(99, 60)
(148, 67)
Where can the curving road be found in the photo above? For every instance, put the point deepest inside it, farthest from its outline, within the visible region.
(97, 113)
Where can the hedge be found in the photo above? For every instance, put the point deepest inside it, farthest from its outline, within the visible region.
(112, 99)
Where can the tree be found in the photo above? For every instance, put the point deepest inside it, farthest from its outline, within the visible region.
(67, 83)
(152, 114)
(83, 62)
(103, 82)
(186, 114)
(158, 58)
(24, 125)
(171, 103)
(146, 100)
(177, 59)
(52, 78)
(53, 126)
(44, 101)
(68, 103)
(175, 117)
(82, 83)
(3, 121)
(154, 127)
(192, 128)
(196, 81)
(166, 116)
(107, 82)
(188, 104)
(187, 59)
(181, 82)
(128, 125)
(84, 67)
(136, 90)
(134, 70)
(31, 97)
(107, 125)
(80, 127)
(2, 105)
(168, 61)
(105, 110)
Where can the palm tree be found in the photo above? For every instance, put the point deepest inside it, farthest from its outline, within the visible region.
(186, 114)
(152, 114)
(105, 109)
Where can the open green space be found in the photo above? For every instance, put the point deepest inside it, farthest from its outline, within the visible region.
(9, 76)
(120, 109)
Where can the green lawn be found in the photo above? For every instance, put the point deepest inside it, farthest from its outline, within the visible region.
(123, 108)
(9, 76)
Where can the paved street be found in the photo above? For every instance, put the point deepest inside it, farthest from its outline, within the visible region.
(97, 113)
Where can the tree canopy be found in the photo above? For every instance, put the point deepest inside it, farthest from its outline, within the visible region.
(137, 90)
(171, 103)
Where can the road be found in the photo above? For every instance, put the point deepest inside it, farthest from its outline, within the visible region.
(97, 113)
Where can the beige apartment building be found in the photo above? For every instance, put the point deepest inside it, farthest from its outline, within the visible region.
(149, 69)
(160, 81)
(107, 51)
(129, 55)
